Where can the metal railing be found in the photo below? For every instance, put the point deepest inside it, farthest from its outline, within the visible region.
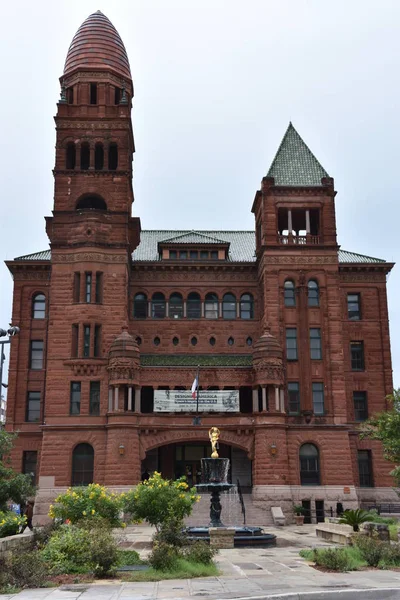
(382, 508)
(239, 489)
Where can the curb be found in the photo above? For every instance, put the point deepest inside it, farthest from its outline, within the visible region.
(353, 594)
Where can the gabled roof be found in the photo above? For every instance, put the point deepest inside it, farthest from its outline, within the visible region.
(193, 237)
(43, 255)
(294, 163)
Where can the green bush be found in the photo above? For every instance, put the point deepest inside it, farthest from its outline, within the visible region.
(163, 557)
(10, 523)
(103, 552)
(171, 532)
(128, 557)
(332, 558)
(41, 535)
(390, 556)
(200, 552)
(393, 532)
(371, 548)
(376, 518)
(91, 502)
(23, 570)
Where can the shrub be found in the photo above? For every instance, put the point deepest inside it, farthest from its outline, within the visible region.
(200, 552)
(355, 518)
(10, 523)
(41, 535)
(390, 556)
(157, 500)
(371, 548)
(103, 552)
(90, 502)
(332, 558)
(23, 570)
(376, 518)
(172, 532)
(128, 557)
(163, 557)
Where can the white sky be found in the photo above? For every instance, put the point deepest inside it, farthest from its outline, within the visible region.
(216, 83)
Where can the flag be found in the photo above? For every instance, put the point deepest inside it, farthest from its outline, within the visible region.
(194, 386)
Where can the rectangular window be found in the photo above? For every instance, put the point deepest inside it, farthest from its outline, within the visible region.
(74, 342)
(77, 287)
(36, 359)
(70, 95)
(97, 340)
(315, 344)
(318, 398)
(93, 93)
(33, 407)
(86, 341)
(117, 95)
(94, 406)
(204, 254)
(291, 343)
(360, 406)
(357, 356)
(183, 254)
(173, 254)
(99, 287)
(88, 287)
(29, 464)
(294, 398)
(365, 468)
(354, 307)
(214, 254)
(75, 398)
(194, 255)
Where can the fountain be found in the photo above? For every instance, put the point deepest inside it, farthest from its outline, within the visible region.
(215, 480)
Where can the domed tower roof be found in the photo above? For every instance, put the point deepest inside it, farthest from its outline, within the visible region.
(124, 345)
(97, 45)
(267, 347)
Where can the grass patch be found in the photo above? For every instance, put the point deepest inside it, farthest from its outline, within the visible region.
(184, 570)
(128, 557)
(348, 558)
(393, 529)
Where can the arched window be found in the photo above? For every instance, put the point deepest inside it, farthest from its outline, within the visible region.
(313, 293)
(211, 306)
(85, 156)
(112, 157)
(309, 465)
(158, 306)
(39, 306)
(98, 157)
(175, 306)
(140, 306)
(70, 156)
(91, 202)
(229, 306)
(246, 306)
(193, 306)
(290, 297)
(82, 464)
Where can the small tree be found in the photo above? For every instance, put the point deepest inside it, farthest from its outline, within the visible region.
(13, 486)
(385, 427)
(92, 502)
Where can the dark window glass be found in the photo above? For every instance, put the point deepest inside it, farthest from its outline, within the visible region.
(318, 398)
(211, 306)
(354, 307)
(289, 293)
(85, 156)
(231, 341)
(140, 306)
(39, 306)
(309, 465)
(313, 293)
(357, 356)
(212, 341)
(86, 341)
(77, 287)
(249, 341)
(360, 406)
(29, 464)
(204, 255)
(246, 306)
(98, 157)
(93, 93)
(175, 341)
(365, 468)
(113, 157)
(175, 306)
(36, 359)
(193, 306)
(158, 306)
(82, 464)
(70, 156)
(183, 254)
(156, 341)
(75, 338)
(291, 343)
(70, 95)
(194, 255)
(315, 344)
(33, 407)
(138, 340)
(94, 406)
(97, 340)
(214, 254)
(117, 95)
(91, 203)
(229, 306)
(75, 398)
(88, 287)
(193, 341)
(173, 254)
(294, 398)
(99, 287)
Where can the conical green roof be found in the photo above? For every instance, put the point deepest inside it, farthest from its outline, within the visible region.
(294, 163)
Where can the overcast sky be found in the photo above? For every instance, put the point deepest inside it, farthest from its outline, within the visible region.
(216, 83)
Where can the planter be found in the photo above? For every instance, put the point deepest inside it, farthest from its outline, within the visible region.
(299, 519)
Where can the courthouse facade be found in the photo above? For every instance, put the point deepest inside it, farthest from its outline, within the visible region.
(290, 332)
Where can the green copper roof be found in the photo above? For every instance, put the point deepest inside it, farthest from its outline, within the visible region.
(194, 360)
(294, 163)
(193, 237)
(353, 257)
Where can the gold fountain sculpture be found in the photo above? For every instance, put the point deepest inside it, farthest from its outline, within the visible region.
(214, 434)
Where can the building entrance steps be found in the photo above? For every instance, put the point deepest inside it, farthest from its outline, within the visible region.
(231, 514)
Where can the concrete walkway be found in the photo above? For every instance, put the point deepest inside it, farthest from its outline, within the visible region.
(245, 573)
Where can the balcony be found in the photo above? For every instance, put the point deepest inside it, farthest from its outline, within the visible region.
(299, 240)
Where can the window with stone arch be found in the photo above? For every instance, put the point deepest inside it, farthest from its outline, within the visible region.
(82, 464)
(140, 306)
(246, 306)
(98, 157)
(289, 293)
(39, 306)
(313, 293)
(175, 308)
(70, 156)
(193, 306)
(211, 306)
(229, 306)
(309, 465)
(158, 306)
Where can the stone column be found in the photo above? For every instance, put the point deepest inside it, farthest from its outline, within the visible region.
(255, 400)
(238, 309)
(202, 310)
(282, 395)
(110, 399)
(130, 398)
(137, 400)
(116, 392)
(167, 309)
(277, 399)
(290, 224)
(184, 309)
(149, 310)
(264, 398)
(307, 221)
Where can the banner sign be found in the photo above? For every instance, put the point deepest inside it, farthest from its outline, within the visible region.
(209, 401)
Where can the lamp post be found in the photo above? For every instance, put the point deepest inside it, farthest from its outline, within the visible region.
(11, 331)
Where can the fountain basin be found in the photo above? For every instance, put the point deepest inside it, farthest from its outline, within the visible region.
(244, 536)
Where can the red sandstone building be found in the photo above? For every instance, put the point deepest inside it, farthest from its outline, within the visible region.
(290, 331)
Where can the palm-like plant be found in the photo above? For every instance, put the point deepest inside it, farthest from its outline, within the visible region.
(355, 518)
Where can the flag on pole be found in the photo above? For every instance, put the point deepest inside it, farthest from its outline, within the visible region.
(194, 385)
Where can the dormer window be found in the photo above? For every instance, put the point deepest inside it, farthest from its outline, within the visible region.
(193, 245)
